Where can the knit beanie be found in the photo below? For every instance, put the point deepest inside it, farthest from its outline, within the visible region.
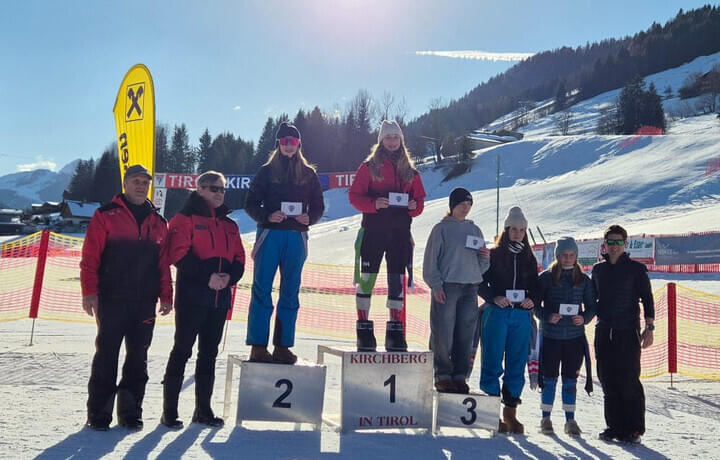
(515, 218)
(459, 195)
(388, 127)
(566, 243)
(287, 129)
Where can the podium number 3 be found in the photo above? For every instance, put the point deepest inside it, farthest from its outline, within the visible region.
(289, 386)
(471, 411)
(391, 382)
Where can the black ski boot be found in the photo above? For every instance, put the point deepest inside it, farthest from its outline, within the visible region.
(171, 392)
(203, 394)
(365, 336)
(395, 336)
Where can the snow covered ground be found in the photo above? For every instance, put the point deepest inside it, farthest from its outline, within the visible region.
(43, 394)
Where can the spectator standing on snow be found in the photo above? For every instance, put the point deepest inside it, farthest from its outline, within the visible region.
(509, 287)
(453, 267)
(564, 291)
(621, 283)
(389, 192)
(285, 198)
(206, 248)
(123, 270)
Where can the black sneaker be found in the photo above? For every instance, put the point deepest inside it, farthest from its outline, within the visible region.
(173, 424)
(98, 425)
(208, 419)
(632, 438)
(608, 435)
(132, 423)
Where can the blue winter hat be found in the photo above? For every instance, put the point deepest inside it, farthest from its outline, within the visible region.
(566, 243)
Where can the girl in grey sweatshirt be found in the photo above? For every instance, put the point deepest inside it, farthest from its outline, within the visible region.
(453, 267)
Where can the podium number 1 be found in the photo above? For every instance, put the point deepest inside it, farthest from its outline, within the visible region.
(391, 382)
(289, 386)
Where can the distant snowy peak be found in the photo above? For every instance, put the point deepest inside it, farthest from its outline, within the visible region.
(19, 190)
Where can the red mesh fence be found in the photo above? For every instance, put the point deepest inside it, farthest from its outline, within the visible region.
(327, 299)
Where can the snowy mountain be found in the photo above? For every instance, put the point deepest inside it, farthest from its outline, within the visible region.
(19, 190)
(568, 185)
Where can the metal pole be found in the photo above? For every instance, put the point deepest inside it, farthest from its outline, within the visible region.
(497, 199)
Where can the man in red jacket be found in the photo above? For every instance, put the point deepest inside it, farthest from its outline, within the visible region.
(123, 271)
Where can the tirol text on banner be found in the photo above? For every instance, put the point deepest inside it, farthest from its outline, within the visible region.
(134, 112)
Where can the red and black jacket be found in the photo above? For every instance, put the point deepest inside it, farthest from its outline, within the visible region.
(203, 241)
(365, 190)
(124, 261)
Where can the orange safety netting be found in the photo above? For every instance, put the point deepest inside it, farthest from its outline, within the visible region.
(327, 299)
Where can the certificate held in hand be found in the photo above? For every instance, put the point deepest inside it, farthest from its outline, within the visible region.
(291, 208)
(473, 242)
(569, 309)
(398, 200)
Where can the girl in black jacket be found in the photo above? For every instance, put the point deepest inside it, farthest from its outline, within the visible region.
(509, 287)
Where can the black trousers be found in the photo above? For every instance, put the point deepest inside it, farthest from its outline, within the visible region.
(396, 246)
(617, 352)
(569, 353)
(118, 321)
(206, 325)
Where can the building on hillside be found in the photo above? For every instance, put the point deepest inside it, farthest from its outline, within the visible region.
(11, 222)
(77, 213)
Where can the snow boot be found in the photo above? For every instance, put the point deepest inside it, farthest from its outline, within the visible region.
(546, 426)
(461, 387)
(572, 428)
(203, 394)
(512, 424)
(445, 386)
(260, 354)
(395, 336)
(365, 336)
(171, 392)
(283, 355)
(129, 410)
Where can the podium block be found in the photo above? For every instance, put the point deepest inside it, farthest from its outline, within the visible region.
(281, 392)
(386, 390)
(467, 411)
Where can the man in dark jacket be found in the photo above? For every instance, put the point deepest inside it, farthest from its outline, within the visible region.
(123, 271)
(620, 283)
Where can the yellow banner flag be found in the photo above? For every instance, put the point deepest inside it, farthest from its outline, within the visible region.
(135, 121)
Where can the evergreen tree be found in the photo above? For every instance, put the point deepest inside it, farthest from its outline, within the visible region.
(265, 145)
(560, 96)
(204, 151)
(163, 162)
(81, 183)
(106, 178)
(183, 157)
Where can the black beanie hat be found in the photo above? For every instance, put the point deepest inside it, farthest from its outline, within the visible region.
(459, 195)
(287, 129)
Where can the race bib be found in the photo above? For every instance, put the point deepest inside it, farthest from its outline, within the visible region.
(569, 309)
(515, 295)
(399, 200)
(291, 208)
(473, 242)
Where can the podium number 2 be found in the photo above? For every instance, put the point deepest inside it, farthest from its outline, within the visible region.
(471, 411)
(391, 382)
(289, 386)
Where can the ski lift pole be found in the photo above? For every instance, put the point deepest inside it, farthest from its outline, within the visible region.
(497, 199)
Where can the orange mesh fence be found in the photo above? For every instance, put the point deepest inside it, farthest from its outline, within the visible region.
(18, 262)
(698, 333)
(327, 300)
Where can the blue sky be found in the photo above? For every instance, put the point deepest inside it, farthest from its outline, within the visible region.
(228, 65)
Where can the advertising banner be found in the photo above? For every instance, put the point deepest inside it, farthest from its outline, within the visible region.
(687, 250)
(134, 112)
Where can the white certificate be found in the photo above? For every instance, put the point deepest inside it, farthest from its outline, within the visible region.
(569, 309)
(291, 208)
(398, 199)
(473, 242)
(515, 295)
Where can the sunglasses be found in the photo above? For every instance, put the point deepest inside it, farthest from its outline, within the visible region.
(615, 242)
(215, 188)
(289, 140)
